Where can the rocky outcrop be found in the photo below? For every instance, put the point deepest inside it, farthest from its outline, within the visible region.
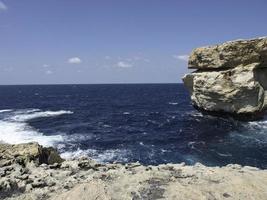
(85, 179)
(231, 78)
(25, 153)
(230, 54)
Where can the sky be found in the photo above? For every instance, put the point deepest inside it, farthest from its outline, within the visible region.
(116, 41)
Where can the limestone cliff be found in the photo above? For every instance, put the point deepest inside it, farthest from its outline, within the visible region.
(85, 179)
(230, 78)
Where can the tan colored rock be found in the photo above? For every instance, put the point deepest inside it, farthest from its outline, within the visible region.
(231, 78)
(29, 151)
(84, 179)
(87, 191)
(24, 153)
(172, 182)
(232, 91)
(230, 54)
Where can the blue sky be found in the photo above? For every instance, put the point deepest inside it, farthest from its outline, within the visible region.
(116, 41)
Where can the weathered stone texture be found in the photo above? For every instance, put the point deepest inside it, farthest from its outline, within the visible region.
(230, 78)
(230, 54)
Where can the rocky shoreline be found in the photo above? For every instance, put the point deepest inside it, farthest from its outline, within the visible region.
(30, 171)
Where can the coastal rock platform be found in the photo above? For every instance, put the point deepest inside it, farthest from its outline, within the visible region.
(85, 179)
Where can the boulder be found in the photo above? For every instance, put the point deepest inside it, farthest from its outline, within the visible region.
(231, 78)
(49, 156)
(24, 153)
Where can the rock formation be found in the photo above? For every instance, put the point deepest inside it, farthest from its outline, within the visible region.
(231, 78)
(24, 153)
(84, 179)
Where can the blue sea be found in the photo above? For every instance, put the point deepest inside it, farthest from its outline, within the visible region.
(149, 123)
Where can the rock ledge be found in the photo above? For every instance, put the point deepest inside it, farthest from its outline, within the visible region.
(84, 179)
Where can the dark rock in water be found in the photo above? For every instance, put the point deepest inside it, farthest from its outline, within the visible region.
(49, 156)
(231, 78)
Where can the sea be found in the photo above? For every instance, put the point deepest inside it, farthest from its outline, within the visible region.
(147, 123)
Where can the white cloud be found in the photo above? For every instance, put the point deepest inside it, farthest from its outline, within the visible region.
(46, 65)
(123, 64)
(74, 60)
(48, 72)
(3, 7)
(138, 58)
(181, 57)
(8, 69)
(146, 60)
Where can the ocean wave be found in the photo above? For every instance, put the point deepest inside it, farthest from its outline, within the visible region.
(78, 137)
(224, 154)
(6, 110)
(173, 103)
(33, 114)
(194, 113)
(15, 133)
(118, 155)
(258, 124)
(14, 128)
(76, 154)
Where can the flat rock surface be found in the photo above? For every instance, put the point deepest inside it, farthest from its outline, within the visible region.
(230, 54)
(84, 179)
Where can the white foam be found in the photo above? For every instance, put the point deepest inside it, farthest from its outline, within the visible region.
(25, 111)
(6, 110)
(32, 114)
(78, 137)
(15, 133)
(194, 114)
(258, 124)
(257, 127)
(76, 154)
(224, 154)
(173, 103)
(14, 128)
(119, 155)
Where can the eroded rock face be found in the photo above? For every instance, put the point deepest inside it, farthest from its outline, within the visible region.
(230, 78)
(24, 153)
(230, 54)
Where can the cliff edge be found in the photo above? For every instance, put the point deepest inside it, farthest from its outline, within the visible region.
(230, 78)
(25, 174)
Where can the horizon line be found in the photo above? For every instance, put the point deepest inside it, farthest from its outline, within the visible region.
(44, 84)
